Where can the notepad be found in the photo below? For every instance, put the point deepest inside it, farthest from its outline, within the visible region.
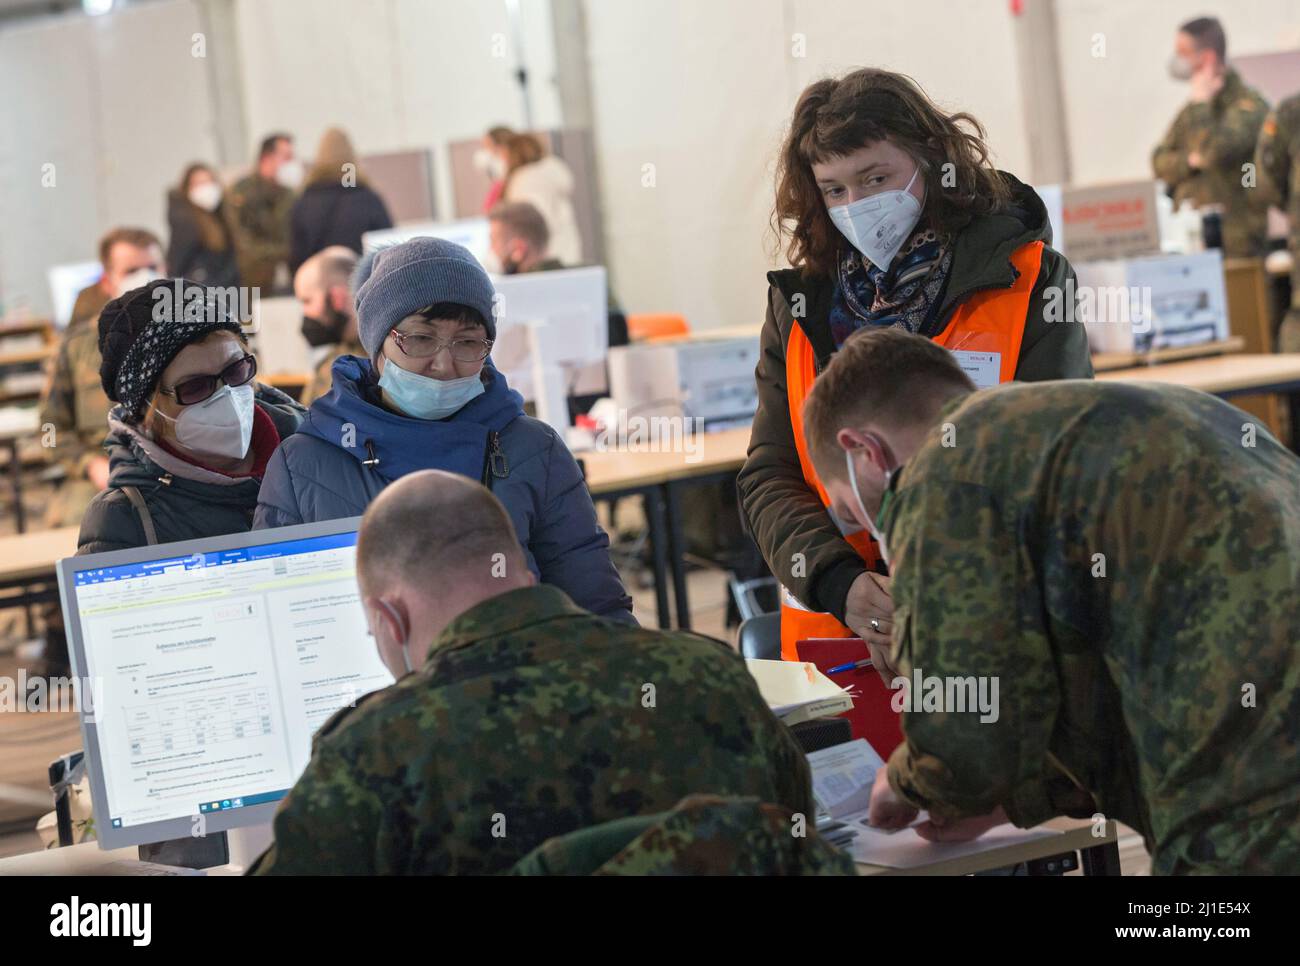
(796, 691)
(842, 778)
(904, 849)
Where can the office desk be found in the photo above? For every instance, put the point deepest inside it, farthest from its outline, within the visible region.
(27, 563)
(1223, 376)
(659, 479)
(1097, 856)
(85, 859)
(1106, 361)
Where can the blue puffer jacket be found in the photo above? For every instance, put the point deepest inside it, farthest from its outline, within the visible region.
(350, 447)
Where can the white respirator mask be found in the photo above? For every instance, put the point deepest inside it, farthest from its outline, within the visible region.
(221, 425)
(878, 225)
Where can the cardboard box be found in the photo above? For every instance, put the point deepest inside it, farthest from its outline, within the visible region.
(700, 377)
(1104, 222)
(1153, 302)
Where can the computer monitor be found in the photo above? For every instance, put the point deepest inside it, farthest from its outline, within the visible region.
(205, 667)
(573, 304)
(471, 233)
(278, 338)
(66, 282)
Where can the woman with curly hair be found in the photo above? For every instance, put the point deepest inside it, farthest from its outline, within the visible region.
(892, 215)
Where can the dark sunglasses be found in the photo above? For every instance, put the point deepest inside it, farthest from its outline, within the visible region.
(187, 392)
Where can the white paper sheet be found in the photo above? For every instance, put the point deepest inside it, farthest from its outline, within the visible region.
(906, 850)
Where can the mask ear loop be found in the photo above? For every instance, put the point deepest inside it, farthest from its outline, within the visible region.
(406, 654)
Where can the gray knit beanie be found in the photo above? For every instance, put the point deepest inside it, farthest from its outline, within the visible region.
(393, 282)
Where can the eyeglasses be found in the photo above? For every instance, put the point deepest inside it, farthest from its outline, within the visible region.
(187, 392)
(422, 346)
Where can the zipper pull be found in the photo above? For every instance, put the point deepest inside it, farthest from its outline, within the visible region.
(497, 458)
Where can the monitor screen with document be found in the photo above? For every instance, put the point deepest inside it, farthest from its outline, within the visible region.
(573, 304)
(206, 667)
(66, 283)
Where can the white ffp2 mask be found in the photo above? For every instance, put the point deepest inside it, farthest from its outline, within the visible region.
(221, 425)
(878, 225)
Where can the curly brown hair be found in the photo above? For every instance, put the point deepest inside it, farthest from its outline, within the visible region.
(834, 118)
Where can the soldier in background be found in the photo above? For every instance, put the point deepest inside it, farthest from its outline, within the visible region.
(1202, 155)
(258, 212)
(1277, 161)
(516, 716)
(1119, 559)
(74, 403)
(329, 313)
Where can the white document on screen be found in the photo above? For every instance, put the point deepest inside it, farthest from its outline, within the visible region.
(215, 677)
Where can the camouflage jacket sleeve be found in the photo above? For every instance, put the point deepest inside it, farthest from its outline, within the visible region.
(328, 823)
(978, 614)
(1273, 158)
(261, 229)
(1169, 160)
(59, 409)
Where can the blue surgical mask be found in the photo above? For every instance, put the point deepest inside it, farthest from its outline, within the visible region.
(423, 397)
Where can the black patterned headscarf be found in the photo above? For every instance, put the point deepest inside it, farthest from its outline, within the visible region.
(143, 330)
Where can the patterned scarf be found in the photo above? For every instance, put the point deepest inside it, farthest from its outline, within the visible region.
(903, 295)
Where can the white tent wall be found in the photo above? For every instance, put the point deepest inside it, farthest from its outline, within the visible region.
(699, 89)
(395, 74)
(1119, 105)
(118, 106)
(703, 92)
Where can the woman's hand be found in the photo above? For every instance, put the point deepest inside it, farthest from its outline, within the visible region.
(868, 600)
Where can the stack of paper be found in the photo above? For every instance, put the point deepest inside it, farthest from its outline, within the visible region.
(842, 776)
(796, 691)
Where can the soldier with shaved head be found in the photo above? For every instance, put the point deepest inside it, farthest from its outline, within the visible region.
(516, 716)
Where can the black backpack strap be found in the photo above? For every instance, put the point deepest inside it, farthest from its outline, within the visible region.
(142, 508)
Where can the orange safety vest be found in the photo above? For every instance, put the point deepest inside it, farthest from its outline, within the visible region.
(992, 320)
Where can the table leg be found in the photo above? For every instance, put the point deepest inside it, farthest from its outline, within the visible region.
(677, 557)
(655, 519)
(1100, 859)
(16, 469)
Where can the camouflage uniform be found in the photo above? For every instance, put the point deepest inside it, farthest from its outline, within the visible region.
(1122, 689)
(90, 302)
(258, 214)
(323, 378)
(1277, 160)
(529, 720)
(1223, 130)
(75, 405)
(703, 835)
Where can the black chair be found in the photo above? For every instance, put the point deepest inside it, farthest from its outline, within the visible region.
(760, 637)
(821, 733)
